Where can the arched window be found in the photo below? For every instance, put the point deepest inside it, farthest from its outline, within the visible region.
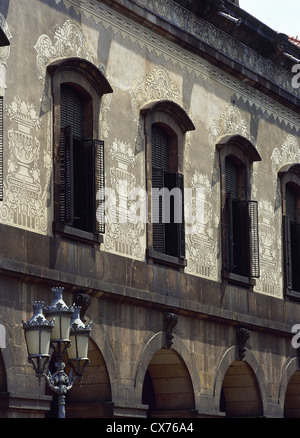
(165, 126)
(78, 153)
(290, 190)
(239, 213)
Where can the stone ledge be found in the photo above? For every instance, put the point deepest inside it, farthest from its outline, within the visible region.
(99, 288)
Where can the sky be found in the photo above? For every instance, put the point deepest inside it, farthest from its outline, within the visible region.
(281, 15)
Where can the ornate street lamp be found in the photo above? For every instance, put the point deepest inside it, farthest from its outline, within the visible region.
(62, 329)
(79, 337)
(37, 334)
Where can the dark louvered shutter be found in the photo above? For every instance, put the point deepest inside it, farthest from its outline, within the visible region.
(231, 239)
(295, 241)
(99, 186)
(290, 202)
(71, 156)
(253, 239)
(71, 110)
(175, 229)
(231, 180)
(287, 252)
(1, 148)
(160, 148)
(229, 233)
(241, 230)
(85, 174)
(158, 227)
(66, 175)
(291, 241)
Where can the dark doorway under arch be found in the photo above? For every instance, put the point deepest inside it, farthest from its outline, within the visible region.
(92, 397)
(167, 388)
(292, 397)
(240, 396)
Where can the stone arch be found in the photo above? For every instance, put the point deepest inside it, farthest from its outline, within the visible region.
(248, 376)
(85, 68)
(91, 398)
(175, 363)
(240, 143)
(289, 391)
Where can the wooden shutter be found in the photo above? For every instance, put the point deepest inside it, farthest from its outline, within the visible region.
(231, 178)
(160, 148)
(158, 227)
(229, 264)
(295, 246)
(290, 202)
(99, 184)
(253, 239)
(85, 174)
(1, 148)
(66, 176)
(287, 252)
(175, 229)
(71, 110)
(291, 231)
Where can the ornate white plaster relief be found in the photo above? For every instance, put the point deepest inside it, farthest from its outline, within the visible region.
(155, 44)
(201, 231)
(69, 41)
(157, 85)
(288, 152)
(124, 235)
(24, 202)
(270, 250)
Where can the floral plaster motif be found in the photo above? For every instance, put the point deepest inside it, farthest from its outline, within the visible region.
(124, 234)
(269, 252)
(24, 200)
(230, 122)
(201, 229)
(69, 41)
(156, 86)
(289, 152)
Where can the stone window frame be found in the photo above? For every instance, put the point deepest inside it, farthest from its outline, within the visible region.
(289, 174)
(245, 153)
(90, 81)
(176, 123)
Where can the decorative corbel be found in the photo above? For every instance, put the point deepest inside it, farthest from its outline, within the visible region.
(171, 321)
(242, 336)
(83, 301)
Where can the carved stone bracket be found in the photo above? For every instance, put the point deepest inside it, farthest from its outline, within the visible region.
(171, 321)
(83, 300)
(242, 336)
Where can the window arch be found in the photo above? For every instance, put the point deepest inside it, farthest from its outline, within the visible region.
(77, 87)
(166, 124)
(240, 253)
(290, 191)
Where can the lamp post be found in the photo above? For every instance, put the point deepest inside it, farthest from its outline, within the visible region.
(60, 328)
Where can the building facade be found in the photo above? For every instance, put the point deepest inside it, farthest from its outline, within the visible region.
(150, 166)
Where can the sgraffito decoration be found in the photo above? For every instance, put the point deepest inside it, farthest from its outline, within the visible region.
(25, 198)
(124, 234)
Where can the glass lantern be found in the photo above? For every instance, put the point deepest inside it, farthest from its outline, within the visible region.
(37, 335)
(62, 314)
(79, 337)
